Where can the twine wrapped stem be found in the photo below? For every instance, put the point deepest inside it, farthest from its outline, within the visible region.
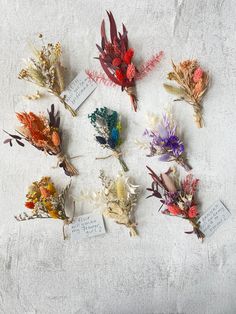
(131, 91)
(118, 155)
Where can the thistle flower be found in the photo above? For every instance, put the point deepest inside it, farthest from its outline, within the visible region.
(45, 70)
(45, 201)
(120, 197)
(44, 134)
(107, 123)
(193, 82)
(116, 59)
(177, 196)
(164, 141)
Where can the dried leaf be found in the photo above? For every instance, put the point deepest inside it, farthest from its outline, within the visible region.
(178, 91)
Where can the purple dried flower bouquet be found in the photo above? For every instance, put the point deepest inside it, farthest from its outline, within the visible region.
(165, 143)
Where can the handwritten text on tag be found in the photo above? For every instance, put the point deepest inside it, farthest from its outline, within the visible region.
(79, 90)
(213, 218)
(86, 226)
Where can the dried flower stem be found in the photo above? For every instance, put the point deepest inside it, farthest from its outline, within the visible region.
(67, 166)
(118, 155)
(123, 164)
(62, 100)
(131, 91)
(196, 229)
(184, 164)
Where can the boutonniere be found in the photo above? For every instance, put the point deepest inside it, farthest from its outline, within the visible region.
(118, 198)
(178, 197)
(44, 134)
(108, 125)
(164, 140)
(45, 70)
(45, 201)
(193, 83)
(116, 59)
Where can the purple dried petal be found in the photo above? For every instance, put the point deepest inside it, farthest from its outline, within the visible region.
(164, 157)
(162, 131)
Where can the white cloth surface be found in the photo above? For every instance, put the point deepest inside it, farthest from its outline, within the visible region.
(163, 270)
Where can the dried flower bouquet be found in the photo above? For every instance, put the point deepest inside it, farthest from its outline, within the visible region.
(116, 59)
(118, 198)
(164, 140)
(44, 201)
(177, 196)
(193, 84)
(121, 198)
(44, 134)
(45, 70)
(108, 125)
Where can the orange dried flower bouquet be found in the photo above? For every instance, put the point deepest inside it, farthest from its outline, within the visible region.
(44, 201)
(44, 134)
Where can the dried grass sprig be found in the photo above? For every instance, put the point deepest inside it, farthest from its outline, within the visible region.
(193, 83)
(44, 134)
(177, 196)
(45, 70)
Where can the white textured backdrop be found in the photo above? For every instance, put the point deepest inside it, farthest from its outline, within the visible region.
(163, 270)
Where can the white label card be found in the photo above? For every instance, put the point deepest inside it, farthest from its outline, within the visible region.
(213, 218)
(86, 226)
(79, 90)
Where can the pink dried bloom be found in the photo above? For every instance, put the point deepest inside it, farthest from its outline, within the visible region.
(190, 185)
(193, 211)
(197, 75)
(130, 73)
(174, 209)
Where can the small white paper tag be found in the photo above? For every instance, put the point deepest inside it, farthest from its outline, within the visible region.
(79, 90)
(213, 218)
(86, 226)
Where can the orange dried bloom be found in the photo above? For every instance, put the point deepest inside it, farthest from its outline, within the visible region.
(56, 138)
(44, 192)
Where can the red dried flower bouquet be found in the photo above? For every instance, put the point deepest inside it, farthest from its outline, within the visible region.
(116, 59)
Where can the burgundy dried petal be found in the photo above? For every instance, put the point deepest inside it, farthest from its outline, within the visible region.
(103, 32)
(113, 30)
(7, 141)
(20, 143)
(125, 37)
(99, 48)
(108, 73)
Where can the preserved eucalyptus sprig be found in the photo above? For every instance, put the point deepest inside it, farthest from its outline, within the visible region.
(193, 84)
(45, 70)
(108, 125)
(44, 134)
(177, 196)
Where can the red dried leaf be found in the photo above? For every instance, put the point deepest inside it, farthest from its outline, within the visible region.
(113, 30)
